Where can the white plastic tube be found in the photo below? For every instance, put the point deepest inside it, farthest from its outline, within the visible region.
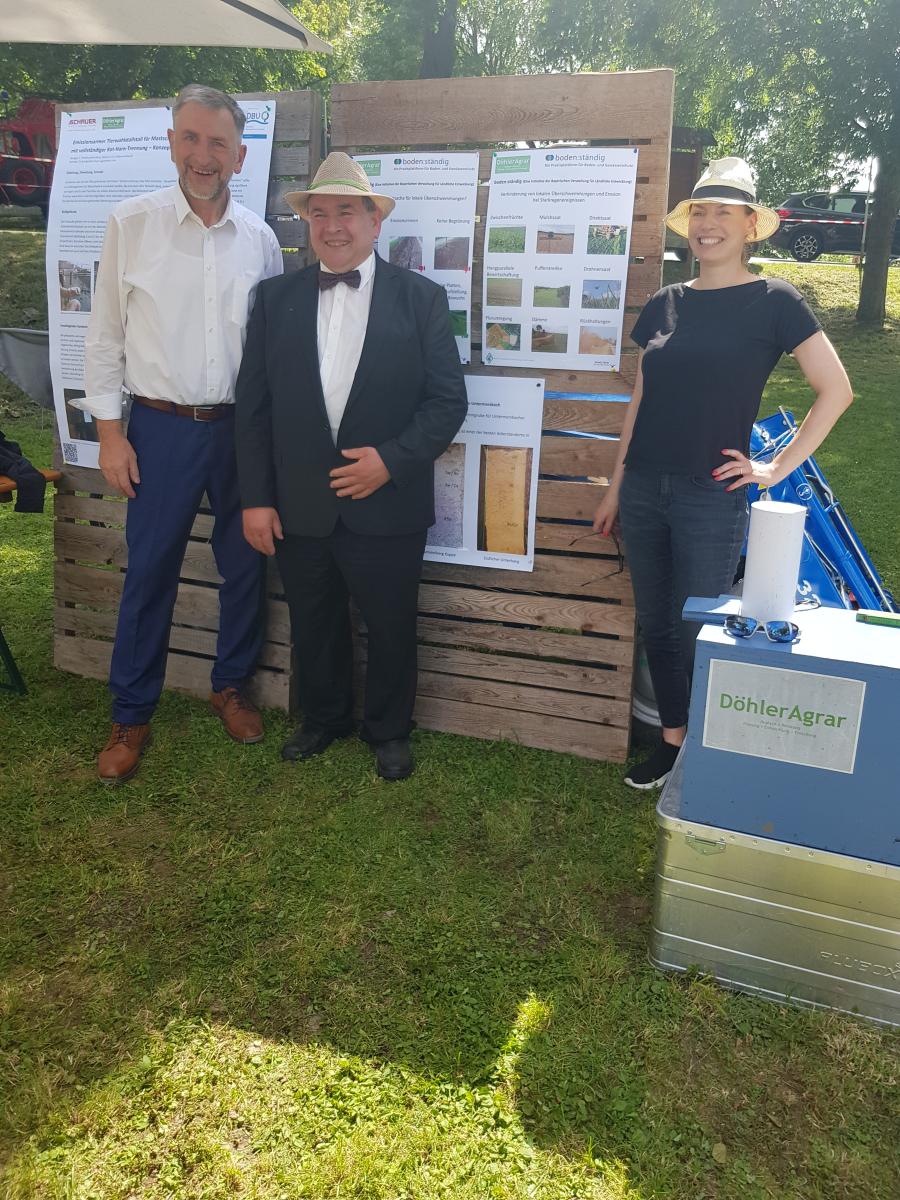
(774, 546)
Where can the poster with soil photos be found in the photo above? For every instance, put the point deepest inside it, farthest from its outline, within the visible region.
(556, 257)
(485, 484)
(432, 227)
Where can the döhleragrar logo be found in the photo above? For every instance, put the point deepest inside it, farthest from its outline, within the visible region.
(785, 715)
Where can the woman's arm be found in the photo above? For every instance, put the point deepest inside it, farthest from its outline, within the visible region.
(825, 374)
(608, 509)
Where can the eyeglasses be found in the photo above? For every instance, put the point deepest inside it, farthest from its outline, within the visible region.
(775, 631)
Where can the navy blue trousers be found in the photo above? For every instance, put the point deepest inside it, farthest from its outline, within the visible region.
(683, 537)
(179, 460)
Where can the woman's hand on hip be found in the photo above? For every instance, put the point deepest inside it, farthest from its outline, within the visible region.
(742, 471)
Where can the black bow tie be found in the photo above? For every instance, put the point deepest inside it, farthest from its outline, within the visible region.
(328, 279)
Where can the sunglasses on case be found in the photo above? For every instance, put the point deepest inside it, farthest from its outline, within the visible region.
(775, 631)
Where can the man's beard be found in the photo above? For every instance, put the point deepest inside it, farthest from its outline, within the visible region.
(218, 188)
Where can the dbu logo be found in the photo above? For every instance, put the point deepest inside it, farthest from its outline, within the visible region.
(397, 162)
(549, 157)
(259, 116)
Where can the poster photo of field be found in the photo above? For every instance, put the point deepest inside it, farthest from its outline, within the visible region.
(504, 291)
(601, 293)
(451, 253)
(556, 239)
(549, 339)
(406, 252)
(506, 239)
(599, 340)
(551, 297)
(505, 336)
(607, 239)
(560, 220)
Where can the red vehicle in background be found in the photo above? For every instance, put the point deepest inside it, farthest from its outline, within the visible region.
(27, 153)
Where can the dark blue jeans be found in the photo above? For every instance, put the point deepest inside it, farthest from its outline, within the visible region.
(683, 537)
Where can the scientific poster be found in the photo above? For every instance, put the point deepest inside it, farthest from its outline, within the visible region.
(104, 157)
(485, 485)
(556, 257)
(432, 228)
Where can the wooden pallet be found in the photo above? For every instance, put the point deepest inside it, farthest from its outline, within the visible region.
(545, 658)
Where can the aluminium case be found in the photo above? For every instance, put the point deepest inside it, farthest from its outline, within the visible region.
(786, 922)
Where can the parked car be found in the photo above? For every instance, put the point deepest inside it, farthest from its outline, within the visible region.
(814, 223)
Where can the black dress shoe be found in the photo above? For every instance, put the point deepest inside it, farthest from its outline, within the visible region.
(393, 760)
(310, 740)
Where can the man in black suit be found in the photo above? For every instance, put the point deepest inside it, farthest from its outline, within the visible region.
(350, 387)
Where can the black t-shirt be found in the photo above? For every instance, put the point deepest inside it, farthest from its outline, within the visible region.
(707, 356)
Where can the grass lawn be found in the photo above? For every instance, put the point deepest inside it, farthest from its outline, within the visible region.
(233, 977)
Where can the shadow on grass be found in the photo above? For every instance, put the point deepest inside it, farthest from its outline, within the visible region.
(480, 929)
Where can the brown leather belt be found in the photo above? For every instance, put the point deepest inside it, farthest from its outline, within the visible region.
(197, 412)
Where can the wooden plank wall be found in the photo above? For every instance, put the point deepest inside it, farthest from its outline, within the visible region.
(89, 538)
(546, 658)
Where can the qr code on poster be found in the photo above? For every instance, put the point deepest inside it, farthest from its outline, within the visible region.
(70, 452)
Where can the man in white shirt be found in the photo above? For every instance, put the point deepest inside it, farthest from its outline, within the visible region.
(174, 288)
(350, 388)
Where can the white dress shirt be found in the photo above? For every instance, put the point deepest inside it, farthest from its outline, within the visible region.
(343, 318)
(172, 301)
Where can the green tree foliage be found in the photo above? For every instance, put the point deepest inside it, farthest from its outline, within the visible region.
(82, 73)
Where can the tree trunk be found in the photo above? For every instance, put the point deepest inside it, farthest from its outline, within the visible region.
(439, 42)
(879, 239)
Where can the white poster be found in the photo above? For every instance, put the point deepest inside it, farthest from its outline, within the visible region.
(783, 715)
(433, 225)
(104, 157)
(556, 257)
(485, 485)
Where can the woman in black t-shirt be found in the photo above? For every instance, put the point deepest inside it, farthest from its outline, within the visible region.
(707, 350)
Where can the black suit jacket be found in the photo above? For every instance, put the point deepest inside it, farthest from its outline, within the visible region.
(408, 400)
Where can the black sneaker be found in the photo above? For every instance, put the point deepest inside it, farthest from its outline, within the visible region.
(653, 771)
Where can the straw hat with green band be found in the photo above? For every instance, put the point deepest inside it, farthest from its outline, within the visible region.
(339, 175)
(725, 181)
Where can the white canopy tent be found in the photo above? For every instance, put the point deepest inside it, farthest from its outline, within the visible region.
(265, 24)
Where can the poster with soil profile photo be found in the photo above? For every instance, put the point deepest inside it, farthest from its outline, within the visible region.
(559, 224)
(485, 488)
(432, 227)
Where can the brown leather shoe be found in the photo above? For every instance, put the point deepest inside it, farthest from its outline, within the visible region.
(240, 716)
(121, 756)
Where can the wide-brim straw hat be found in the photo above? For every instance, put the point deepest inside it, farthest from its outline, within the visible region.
(725, 181)
(339, 175)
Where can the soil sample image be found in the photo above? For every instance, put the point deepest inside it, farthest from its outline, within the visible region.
(449, 497)
(601, 293)
(459, 322)
(504, 292)
(551, 297)
(451, 254)
(547, 340)
(556, 239)
(606, 239)
(504, 337)
(597, 339)
(506, 239)
(406, 252)
(503, 489)
(81, 426)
